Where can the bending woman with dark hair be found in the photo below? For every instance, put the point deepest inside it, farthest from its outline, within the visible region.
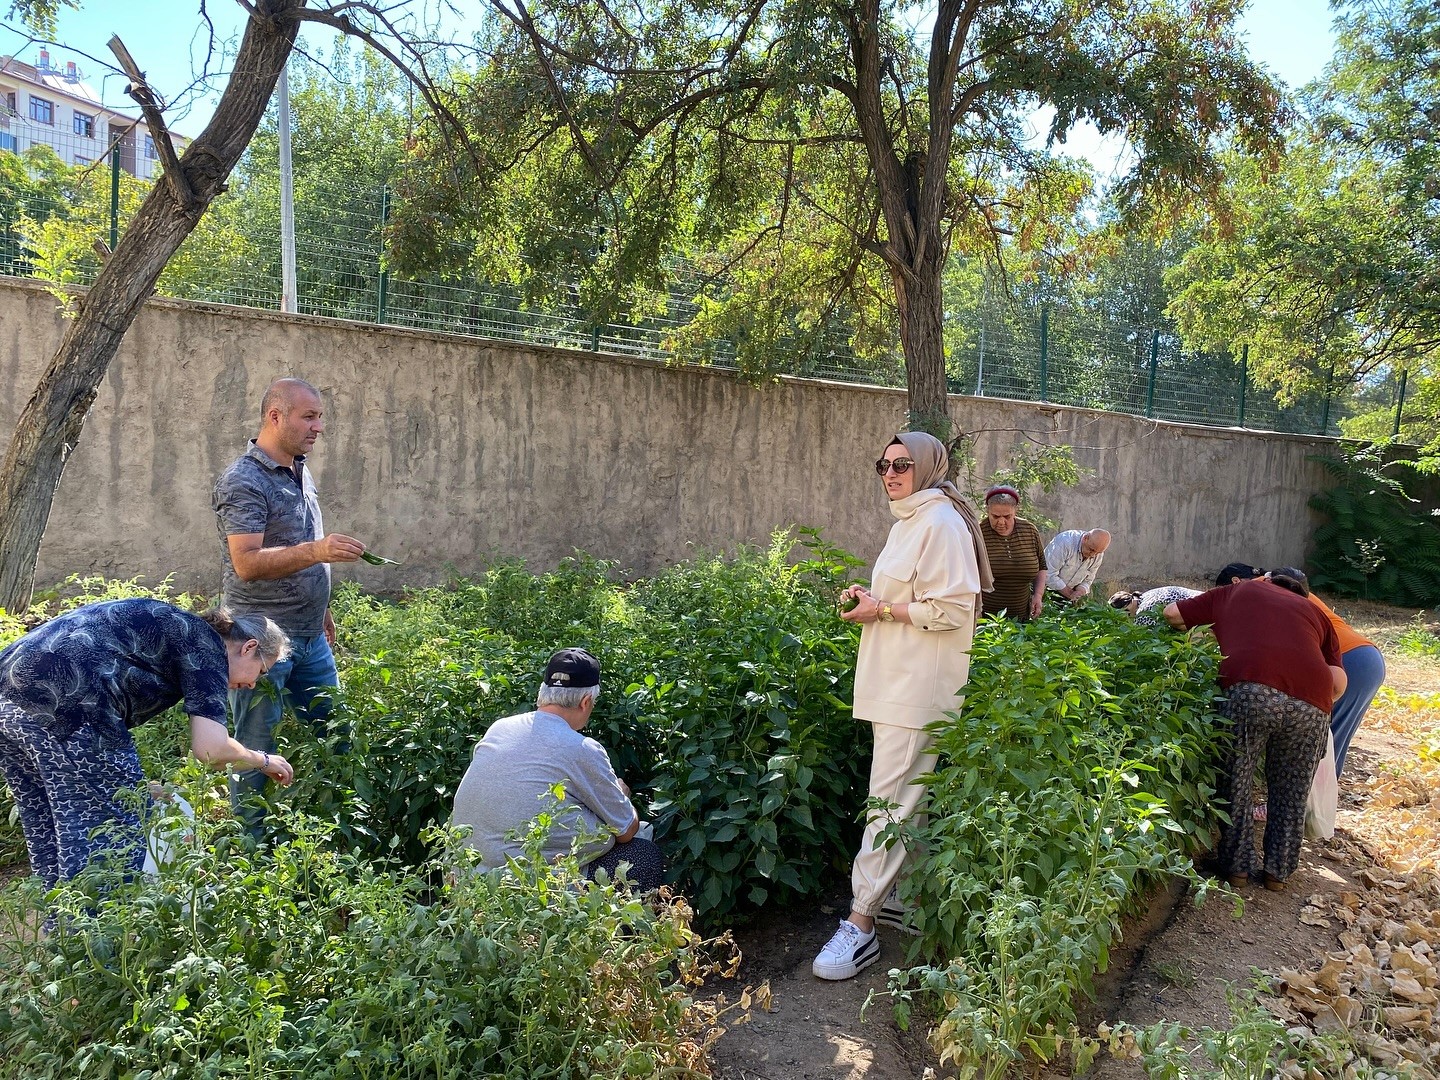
(1281, 672)
(71, 690)
(1147, 607)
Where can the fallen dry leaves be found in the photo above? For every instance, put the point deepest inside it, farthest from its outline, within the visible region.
(1381, 988)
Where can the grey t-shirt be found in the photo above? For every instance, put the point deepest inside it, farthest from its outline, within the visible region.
(257, 495)
(509, 780)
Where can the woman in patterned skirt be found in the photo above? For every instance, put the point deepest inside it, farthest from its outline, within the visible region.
(1281, 672)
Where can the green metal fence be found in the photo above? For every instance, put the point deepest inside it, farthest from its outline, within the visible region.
(999, 349)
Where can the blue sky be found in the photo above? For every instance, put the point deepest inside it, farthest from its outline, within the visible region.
(1290, 37)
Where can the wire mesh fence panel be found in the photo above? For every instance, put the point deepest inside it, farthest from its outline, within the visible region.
(1080, 356)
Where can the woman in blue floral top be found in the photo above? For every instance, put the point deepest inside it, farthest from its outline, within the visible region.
(71, 691)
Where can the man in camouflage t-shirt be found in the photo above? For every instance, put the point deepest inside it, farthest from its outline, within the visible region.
(276, 560)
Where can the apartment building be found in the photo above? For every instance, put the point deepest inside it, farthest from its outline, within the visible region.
(41, 104)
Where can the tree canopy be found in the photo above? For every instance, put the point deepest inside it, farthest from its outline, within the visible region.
(1329, 268)
(816, 162)
(52, 419)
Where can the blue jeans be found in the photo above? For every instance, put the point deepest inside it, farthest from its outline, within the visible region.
(303, 681)
(1365, 671)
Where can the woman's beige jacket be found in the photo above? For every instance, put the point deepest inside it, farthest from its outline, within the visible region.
(909, 675)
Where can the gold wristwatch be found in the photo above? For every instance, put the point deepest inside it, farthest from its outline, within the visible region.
(886, 615)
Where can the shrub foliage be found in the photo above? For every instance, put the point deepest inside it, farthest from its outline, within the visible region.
(304, 960)
(725, 705)
(1079, 772)
(1078, 775)
(1376, 544)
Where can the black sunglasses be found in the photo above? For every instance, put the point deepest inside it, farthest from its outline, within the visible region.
(901, 465)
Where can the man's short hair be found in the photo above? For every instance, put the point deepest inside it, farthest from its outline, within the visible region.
(565, 697)
(281, 395)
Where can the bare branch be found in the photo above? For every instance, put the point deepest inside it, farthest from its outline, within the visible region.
(150, 106)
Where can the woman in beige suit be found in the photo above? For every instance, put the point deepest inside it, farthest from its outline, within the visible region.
(917, 619)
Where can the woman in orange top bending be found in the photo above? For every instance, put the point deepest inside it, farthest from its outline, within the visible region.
(1364, 667)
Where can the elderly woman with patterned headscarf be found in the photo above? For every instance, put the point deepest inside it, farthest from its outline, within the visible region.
(1017, 557)
(917, 619)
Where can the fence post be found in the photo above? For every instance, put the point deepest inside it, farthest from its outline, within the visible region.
(1244, 380)
(384, 272)
(115, 196)
(1154, 363)
(980, 369)
(595, 338)
(1329, 390)
(1400, 402)
(1044, 352)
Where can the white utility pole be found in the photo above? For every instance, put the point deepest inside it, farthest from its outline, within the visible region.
(288, 300)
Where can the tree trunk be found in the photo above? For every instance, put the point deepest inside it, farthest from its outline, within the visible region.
(50, 425)
(911, 190)
(920, 301)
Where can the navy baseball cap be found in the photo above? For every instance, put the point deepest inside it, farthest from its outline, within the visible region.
(574, 668)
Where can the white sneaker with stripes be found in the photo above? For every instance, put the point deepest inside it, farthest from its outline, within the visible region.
(847, 953)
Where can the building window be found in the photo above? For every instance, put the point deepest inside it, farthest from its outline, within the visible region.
(42, 111)
(9, 102)
(7, 142)
(84, 125)
(81, 159)
(150, 147)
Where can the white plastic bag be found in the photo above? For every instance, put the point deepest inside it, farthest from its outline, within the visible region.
(171, 825)
(1324, 794)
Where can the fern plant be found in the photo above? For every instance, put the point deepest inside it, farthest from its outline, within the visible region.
(1377, 543)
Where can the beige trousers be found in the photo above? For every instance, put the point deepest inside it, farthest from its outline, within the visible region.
(901, 754)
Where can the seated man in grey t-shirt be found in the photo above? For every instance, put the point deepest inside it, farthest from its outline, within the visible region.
(522, 758)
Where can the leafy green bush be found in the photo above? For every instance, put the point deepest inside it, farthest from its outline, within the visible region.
(727, 683)
(302, 960)
(725, 705)
(1254, 1043)
(1079, 773)
(1376, 544)
(761, 771)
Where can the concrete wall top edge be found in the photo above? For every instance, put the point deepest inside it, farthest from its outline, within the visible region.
(353, 326)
